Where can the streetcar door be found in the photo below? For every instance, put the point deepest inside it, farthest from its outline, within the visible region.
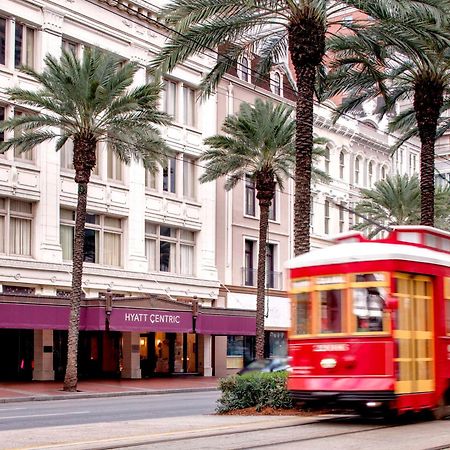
(414, 332)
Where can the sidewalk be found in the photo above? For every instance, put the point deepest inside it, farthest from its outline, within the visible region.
(52, 390)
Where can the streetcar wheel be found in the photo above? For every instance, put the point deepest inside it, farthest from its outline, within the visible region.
(441, 410)
(390, 415)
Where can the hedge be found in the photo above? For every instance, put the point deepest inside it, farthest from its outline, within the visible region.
(255, 389)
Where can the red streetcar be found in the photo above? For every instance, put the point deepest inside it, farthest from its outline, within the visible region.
(371, 323)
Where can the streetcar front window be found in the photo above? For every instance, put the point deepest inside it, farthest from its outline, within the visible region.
(368, 296)
(303, 314)
(447, 303)
(341, 303)
(331, 311)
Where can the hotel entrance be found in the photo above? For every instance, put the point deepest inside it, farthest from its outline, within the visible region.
(16, 355)
(168, 353)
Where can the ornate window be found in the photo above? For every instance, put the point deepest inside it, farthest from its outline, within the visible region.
(276, 83)
(16, 227)
(169, 249)
(102, 238)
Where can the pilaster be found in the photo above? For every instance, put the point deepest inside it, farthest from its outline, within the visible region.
(131, 355)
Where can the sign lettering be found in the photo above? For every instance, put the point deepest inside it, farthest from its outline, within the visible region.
(151, 318)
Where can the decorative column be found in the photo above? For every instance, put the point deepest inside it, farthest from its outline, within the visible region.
(136, 259)
(207, 355)
(207, 198)
(47, 244)
(131, 355)
(43, 355)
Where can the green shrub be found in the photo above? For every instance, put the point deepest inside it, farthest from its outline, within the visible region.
(254, 390)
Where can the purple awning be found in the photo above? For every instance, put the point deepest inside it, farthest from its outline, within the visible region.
(56, 317)
(40, 317)
(145, 320)
(225, 324)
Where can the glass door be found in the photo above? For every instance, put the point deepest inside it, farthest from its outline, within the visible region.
(414, 333)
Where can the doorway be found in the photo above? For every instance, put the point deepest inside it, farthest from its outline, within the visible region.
(414, 333)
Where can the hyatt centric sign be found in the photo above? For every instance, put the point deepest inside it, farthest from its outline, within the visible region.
(125, 319)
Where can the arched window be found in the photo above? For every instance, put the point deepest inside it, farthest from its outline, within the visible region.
(341, 165)
(370, 173)
(276, 83)
(327, 160)
(244, 69)
(383, 172)
(357, 169)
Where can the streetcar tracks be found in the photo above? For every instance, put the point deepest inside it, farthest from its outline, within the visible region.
(230, 433)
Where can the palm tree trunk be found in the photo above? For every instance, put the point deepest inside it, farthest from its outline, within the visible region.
(261, 276)
(71, 377)
(428, 100)
(427, 180)
(303, 158)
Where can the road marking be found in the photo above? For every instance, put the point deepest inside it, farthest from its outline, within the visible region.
(10, 409)
(45, 415)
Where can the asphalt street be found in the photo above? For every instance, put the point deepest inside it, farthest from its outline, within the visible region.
(16, 416)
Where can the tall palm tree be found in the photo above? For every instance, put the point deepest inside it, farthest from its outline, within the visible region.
(258, 142)
(396, 201)
(420, 79)
(277, 30)
(87, 101)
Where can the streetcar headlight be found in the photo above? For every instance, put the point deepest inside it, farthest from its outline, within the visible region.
(328, 363)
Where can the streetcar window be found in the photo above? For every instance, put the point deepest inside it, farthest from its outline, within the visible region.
(368, 302)
(331, 311)
(303, 314)
(447, 303)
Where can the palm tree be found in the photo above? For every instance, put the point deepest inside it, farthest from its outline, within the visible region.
(87, 101)
(420, 79)
(258, 142)
(277, 30)
(396, 201)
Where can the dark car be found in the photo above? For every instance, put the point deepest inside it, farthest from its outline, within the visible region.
(266, 365)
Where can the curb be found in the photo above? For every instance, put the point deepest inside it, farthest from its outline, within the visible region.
(83, 395)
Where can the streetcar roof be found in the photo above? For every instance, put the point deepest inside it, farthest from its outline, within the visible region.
(349, 251)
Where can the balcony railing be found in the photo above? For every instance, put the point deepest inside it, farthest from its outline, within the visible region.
(274, 280)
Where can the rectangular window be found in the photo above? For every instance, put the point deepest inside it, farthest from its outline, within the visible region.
(187, 240)
(270, 267)
(21, 156)
(70, 46)
(273, 208)
(67, 155)
(170, 98)
(24, 46)
(250, 197)
(368, 296)
(102, 238)
(169, 249)
(341, 218)
(151, 179)
(2, 41)
(166, 256)
(150, 245)
(16, 223)
(2, 117)
(188, 177)
(331, 305)
(115, 166)
(327, 217)
(169, 176)
(249, 272)
(447, 303)
(189, 113)
(302, 314)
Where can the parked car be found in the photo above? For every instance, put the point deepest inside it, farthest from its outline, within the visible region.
(266, 365)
